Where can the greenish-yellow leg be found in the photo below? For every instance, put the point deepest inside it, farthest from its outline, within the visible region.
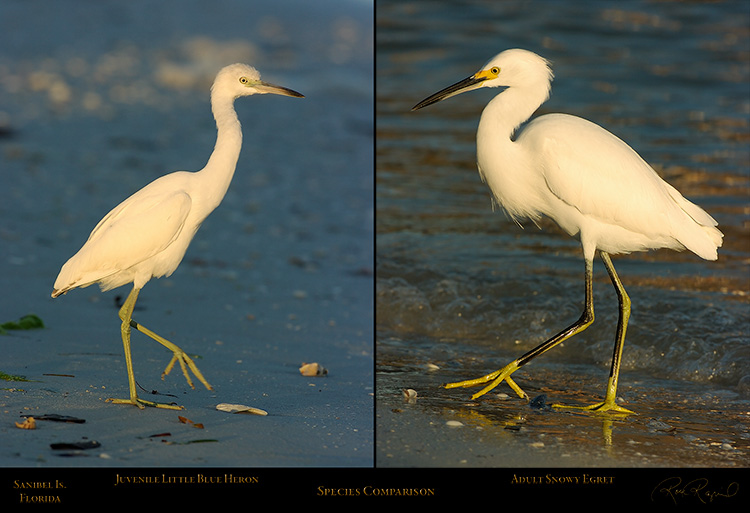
(178, 355)
(587, 318)
(609, 404)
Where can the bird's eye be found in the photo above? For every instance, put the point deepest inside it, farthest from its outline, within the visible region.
(243, 80)
(495, 70)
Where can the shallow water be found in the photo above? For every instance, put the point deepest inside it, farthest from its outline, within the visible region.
(465, 288)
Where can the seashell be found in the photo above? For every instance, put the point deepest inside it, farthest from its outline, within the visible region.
(409, 393)
(240, 408)
(313, 369)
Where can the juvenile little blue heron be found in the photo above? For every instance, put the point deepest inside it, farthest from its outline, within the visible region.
(592, 184)
(146, 235)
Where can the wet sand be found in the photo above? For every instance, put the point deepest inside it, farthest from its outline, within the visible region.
(676, 425)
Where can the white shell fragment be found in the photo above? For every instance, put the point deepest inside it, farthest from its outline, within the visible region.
(409, 393)
(312, 369)
(240, 408)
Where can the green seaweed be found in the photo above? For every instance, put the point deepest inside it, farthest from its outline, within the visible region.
(10, 377)
(27, 322)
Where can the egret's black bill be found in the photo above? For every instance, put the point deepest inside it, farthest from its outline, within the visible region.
(466, 84)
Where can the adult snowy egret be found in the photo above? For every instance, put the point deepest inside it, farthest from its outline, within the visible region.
(592, 184)
(147, 235)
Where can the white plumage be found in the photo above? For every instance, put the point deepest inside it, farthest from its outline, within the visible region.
(146, 235)
(592, 184)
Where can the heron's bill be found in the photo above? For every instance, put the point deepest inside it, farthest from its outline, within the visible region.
(265, 87)
(467, 84)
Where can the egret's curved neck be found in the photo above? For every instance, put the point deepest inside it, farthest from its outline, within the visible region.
(503, 162)
(508, 110)
(220, 168)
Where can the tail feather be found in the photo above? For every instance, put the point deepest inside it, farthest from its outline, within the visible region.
(699, 234)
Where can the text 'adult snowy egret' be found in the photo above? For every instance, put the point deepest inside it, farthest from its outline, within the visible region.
(146, 235)
(592, 184)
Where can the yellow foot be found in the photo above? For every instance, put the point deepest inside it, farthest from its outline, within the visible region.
(141, 403)
(603, 407)
(607, 406)
(178, 355)
(494, 379)
(185, 363)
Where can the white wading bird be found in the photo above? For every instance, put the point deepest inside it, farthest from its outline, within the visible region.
(593, 185)
(147, 235)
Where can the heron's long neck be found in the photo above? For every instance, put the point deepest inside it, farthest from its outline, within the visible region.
(508, 110)
(218, 173)
(502, 162)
